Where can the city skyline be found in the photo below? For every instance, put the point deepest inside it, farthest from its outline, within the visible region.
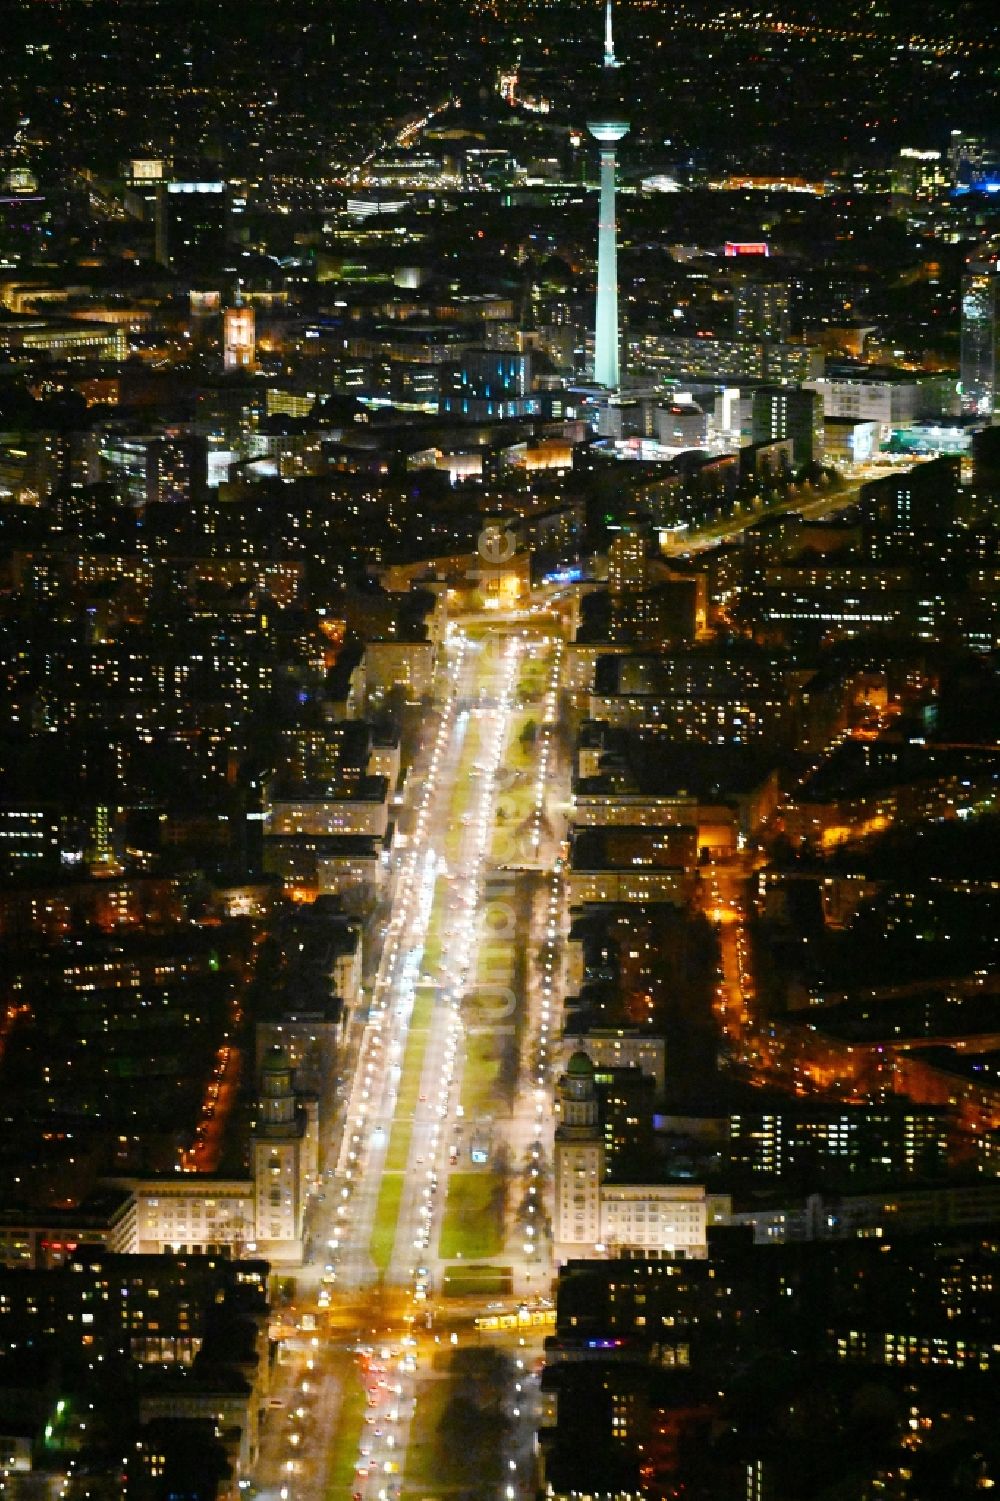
(499, 751)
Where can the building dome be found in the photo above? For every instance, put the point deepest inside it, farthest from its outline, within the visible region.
(580, 1066)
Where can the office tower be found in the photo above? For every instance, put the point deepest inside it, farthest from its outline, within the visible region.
(787, 412)
(239, 339)
(153, 468)
(25, 214)
(761, 311)
(980, 353)
(607, 130)
(916, 176)
(970, 159)
(627, 569)
(487, 384)
(192, 223)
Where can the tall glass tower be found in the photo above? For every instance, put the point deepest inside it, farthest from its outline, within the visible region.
(980, 354)
(608, 129)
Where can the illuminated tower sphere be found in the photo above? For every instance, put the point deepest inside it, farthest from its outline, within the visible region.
(607, 130)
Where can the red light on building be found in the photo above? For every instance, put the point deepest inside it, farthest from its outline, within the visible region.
(747, 247)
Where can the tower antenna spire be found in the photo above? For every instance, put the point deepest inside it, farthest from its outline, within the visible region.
(610, 61)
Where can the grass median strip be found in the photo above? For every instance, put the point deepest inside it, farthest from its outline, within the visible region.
(350, 1422)
(423, 1472)
(481, 1074)
(386, 1218)
(473, 1216)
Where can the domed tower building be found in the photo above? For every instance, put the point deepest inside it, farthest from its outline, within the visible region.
(579, 1161)
(280, 1162)
(598, 1213)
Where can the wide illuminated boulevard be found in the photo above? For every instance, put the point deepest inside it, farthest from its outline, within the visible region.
(433, 1210)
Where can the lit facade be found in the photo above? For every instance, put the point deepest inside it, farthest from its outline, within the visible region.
(761, 311)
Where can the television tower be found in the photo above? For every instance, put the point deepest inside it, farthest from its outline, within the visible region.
(607, 130)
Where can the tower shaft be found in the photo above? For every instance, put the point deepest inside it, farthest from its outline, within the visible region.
(606, 354)
(607, 130)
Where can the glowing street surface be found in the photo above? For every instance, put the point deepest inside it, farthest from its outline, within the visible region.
(423, 880)
(373, 1265)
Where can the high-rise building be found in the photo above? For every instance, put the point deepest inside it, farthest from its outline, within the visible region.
(761, 311)
(192, 223)
(627, 567)
(24, 218)
(970, 159)
(607, 129)
(278, 1150)
(789, 412)
(917, 176)
(980, 355)
(487, 384)
(150, 468)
